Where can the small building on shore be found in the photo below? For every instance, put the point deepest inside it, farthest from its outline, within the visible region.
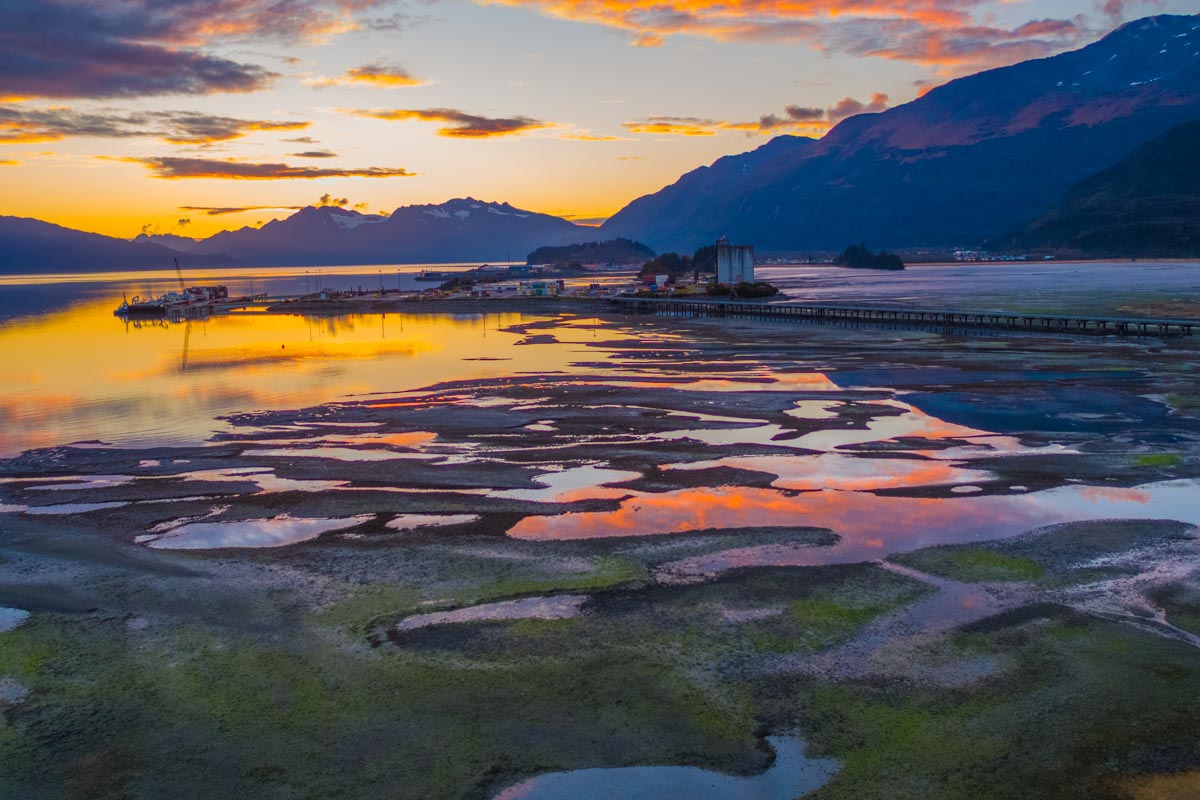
(735, 263)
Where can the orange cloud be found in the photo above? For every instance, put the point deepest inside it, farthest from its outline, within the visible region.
(457, 124)
(674, 126)
(385, 76)
(175, 168)
(9, 162)
(942, 33)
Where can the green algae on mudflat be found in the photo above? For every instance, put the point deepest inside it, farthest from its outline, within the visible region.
(1160, 460)
(190, 713)
(972, 564)
(1087, 705)
(1064, 553)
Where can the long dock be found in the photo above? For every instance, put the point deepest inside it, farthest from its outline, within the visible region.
(912, 317)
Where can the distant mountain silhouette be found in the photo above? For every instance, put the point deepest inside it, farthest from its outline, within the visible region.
(184, 244)
(30, 245)
(969, 161)
(459, 230)
(1147, 205)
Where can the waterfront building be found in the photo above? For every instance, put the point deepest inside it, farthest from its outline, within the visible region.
(735, 263)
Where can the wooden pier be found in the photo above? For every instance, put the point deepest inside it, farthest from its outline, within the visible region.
(911, 317)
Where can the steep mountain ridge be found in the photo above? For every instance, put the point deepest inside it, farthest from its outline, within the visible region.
(969, 160)
(1148, 205)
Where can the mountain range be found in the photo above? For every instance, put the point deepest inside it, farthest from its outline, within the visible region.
(968, 161)
(30, 245)
(459, 230)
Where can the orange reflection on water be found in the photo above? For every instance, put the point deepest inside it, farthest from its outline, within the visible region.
(82, 374)
(870, 525)
(837, 471)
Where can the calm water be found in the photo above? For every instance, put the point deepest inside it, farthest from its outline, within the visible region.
(70, 371)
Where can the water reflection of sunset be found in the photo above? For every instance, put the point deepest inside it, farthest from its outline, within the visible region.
(871, 526)
(83, 374)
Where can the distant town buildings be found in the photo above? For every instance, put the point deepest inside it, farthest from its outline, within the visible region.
(735, 263)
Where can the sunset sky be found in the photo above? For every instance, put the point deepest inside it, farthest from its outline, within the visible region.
(171, 115)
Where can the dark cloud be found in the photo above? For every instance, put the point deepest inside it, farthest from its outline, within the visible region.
(19, 124)
(803, 114)
(303, 140)
(132, 48)
(457, 124)
(314, 154)
(849, 107)
(329, 200)
(174, 168)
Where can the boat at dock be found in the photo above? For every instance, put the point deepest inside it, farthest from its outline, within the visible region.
(430, 275)
(185, 302)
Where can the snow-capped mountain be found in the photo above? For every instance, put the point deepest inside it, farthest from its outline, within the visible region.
(459, 230)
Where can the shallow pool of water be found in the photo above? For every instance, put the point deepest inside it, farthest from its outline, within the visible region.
(792, 775)
(274, 532)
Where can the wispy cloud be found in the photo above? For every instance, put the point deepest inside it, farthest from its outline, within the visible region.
(314, 154)
(674, 126)
(219, 211)
(9, 162)
(455, 123)
(21, 124)
(173, 168)
(588, 136)
(795, 118)
(379, 74)
(946, 34)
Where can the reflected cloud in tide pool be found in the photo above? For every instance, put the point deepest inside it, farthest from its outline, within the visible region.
(274, 532)
(835, 471)
(572, 485)
(871, 526)
(409, 522)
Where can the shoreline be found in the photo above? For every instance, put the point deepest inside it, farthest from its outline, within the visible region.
(474, 305)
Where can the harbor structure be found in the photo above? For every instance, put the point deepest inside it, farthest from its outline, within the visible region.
(735, 263)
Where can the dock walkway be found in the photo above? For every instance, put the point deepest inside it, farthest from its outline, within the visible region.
(915, 317)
